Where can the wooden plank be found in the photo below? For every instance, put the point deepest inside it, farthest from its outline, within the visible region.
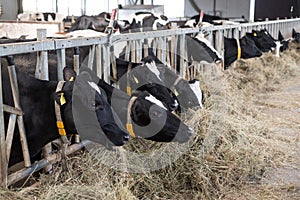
(25, 172)
(91, 57)
(10, 134)
(12, 110)
(3, 158)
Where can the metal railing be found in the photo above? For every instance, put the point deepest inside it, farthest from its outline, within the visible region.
(102, 51)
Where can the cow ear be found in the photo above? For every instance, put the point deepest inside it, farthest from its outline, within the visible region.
(280, 36)
(69, 74)
(294, 33)
(59, 98)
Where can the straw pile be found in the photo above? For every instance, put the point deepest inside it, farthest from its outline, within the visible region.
(231, 151)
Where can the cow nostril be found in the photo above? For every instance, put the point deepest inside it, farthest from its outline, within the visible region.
(191, 132)
(126, 138)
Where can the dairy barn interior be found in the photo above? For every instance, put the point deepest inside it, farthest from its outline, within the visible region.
(147, 99)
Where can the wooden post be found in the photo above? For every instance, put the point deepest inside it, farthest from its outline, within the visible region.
(3, 158)
(16, 98)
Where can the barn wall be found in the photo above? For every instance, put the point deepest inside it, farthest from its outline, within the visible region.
(9, 10)
(276, 8)
(224, 8)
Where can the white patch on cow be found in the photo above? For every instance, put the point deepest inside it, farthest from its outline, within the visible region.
(94, 86)
(138, 18)
(278, 45)
(155, 101)
(201, 38)
(160, 21)
(191, 23)
(85, 33)
(197, 91)
(153, 68)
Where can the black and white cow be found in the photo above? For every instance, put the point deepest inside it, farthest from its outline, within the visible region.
(243, 48)
(263, 40)
(41, 16)
(200, 49)
(150, 119)
(296, 36)
(83, 105)
(188, 94)
(144, 77)
(284, 43)
(145, 21)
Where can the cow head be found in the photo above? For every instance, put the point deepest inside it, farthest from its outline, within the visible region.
(85, 110)
(284, 44)
(200, 49)
(296, 36)
(147, 77)
(154, 122)
(249, 48)
(263, 40)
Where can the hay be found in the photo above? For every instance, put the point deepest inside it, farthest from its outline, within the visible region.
(229, 154)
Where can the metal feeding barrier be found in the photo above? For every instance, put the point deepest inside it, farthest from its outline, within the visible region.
(101, 56)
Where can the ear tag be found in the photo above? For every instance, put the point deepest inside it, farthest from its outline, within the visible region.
(254, 34)
(62, 99)
(135, 79)
(128, 89)
(176, 92)
(72, 78)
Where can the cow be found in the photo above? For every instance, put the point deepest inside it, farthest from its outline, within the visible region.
(263, 40)
(41, 16)
(200, 49)
(145, 115)
(83, 106)
(241, 48)
(98, 23)
(296, 36)
(284, 43)
(210, 20)
(146, 21)
(144, 77)
(187, 94)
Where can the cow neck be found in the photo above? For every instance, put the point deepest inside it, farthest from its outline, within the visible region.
(239, 50)
(129, 126)
(173, 87)
(128, 87)
(59, 121)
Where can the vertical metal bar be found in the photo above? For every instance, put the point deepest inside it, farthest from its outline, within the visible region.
(3, 158)
(99, 63)
(145, 48)
(91, 57)
(127, 51)
(61, 63)
(138, 53)
(163, 41)
(182, 51)
(76, 60)
(41, 71)
(16, 98)
(132, 51)
(106, 64)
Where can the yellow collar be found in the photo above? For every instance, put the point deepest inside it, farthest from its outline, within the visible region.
(129, 126)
